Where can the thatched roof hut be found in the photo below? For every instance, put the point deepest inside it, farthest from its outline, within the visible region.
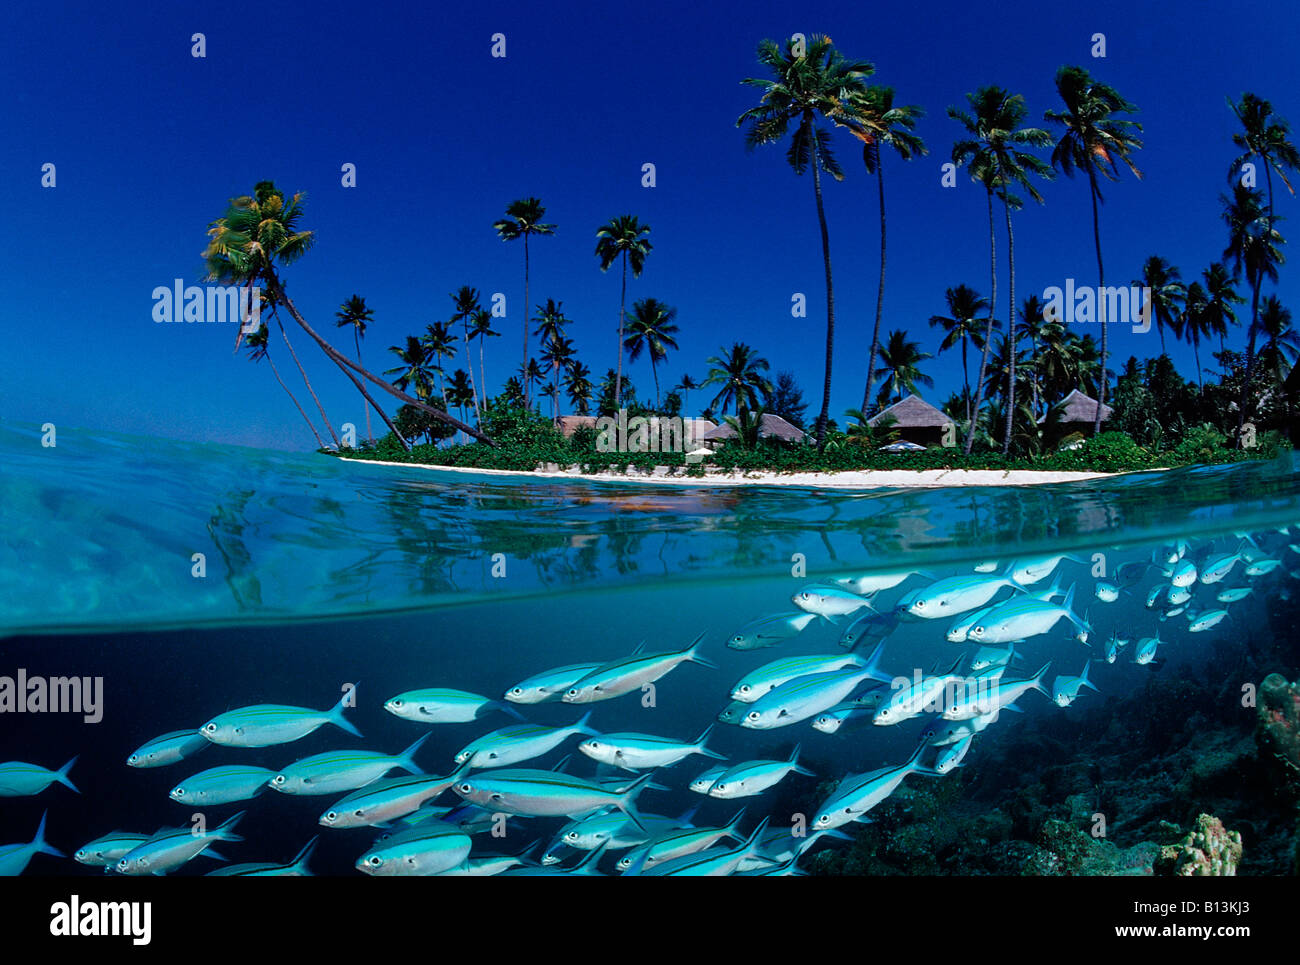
(568, 424)
(773, 427)
(1080, 410)
(916, 421)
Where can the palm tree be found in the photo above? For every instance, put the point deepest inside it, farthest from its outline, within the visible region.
(621, 237)
(1192, 324)
(439, 343)
(530, 373)
(652, 329)
(258, 344)
(524, 219)
(1032, 321)
(481, 329)
(1001, 365)
(900, 372)
(999, 165)
(557, 355)
(1220, 296)
(740, 375)
(577, 384)
(306, 381)
(246, 243)
(686, 385)
(1095, 142)
(816, 84)
(1263, 136)
(1252, 249)
(876, 121)
(355, 313)
(550, 330)
(964, 306)
(1167, 293)
(416, 368)
(460, 392)
(465, 300)
(1280, 350)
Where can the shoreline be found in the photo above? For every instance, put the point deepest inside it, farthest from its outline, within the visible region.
(849, 479)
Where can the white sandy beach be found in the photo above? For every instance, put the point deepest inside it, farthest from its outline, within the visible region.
(861, 479)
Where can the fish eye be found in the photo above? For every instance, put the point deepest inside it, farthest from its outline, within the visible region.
(278, 779)
(744, 689)
(331, 816)
(396, 703)
(571, 836)
(754, 715)
(572, 693)
(211, 728)
(466, 788)
(375, 861)
(133, 758)
(516, 690)
(179, 792)
(919, 604)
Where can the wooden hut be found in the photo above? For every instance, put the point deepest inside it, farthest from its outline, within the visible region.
(917, 421)
(1078, 412)
(773, 427)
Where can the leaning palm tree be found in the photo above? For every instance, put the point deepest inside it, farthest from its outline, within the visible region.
(258, 345)
(1167, 293)
(959, 325)
(651, 330)
(622, 237)
(900, 362)
(740, 375)
(1094, 141)
(578, 387)
(812, 80)
(523, 220)
(354, 312)
(248, 244)
(874, 120)
(993, 149)
(1253, 241)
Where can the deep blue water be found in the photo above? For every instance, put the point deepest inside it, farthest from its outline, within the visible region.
(322, 573)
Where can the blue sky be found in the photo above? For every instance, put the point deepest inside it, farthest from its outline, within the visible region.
(150, 142)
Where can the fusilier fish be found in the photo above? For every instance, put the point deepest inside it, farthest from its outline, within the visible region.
(1218, 567)
(519, 742)
(1023, 617)
(549, 684)
(958, 594)
(757, 683)
(859, 793)
(14, 858)
(1234, 594)
(808, 696)
(440, 705)
(170, 848)
(19, 779)
(1146, 649)
(769, 631)
(1066, 688)
(337, 771)
(639, 751)
(680, 843)
(263, 725)
(388, 799)
(755, 777)
(222, 785)
(705, 781)
(168, 749)
(1206, 619)
(994, 696)
(951, 758)
(829, 601)
(631, 673)
(547, 793)
(428, 849)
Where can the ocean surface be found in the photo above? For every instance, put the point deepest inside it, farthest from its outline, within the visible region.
(316, 574)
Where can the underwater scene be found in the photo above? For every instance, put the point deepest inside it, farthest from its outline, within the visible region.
(230, 661)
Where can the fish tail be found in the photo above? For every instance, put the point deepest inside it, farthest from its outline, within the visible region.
(61, 775)
(584, 726)
(688, 816)
(210, 853)
(226, 832)
(794, 762)
(700, 741)
(406, 760)
(336, 713)
(626, 801)
(752, 842)
(1038, 679)
(299, 863)
(1083, 678)
(694, 657)
(507, 709)
(733, 826)
(40, 845)
(872, 667)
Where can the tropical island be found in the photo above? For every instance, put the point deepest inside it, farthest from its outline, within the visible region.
(1045, 397)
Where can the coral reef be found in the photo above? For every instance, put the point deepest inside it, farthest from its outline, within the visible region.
(1278, 728)
(1209, 849)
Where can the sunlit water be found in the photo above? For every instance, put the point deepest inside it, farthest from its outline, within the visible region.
(319, 573)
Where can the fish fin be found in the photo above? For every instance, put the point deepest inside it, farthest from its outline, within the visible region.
(507, 709)
(1013, 708)
(733, 826)
(61, 775)
(406, 760)
(652, 786)
(639, 647)
(1038, 679)
(688, 816)
(694, 657)
(872, 667)
(209, 853)
(42, 846)
(583, 726)
(336, 712)
(702, 739)
(563, 761)
(300, 861)
(751, 843)
(225, 831)
(627, 800)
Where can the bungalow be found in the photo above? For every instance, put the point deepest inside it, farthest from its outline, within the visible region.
(917, 421)
(772, 427)
(1078, 412)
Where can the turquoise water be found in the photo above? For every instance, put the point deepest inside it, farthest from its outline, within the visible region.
(322, 573)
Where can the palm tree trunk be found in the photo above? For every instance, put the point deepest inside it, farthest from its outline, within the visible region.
(965, 378)
(320, 443)
(654, 370)
(988, 332)
(526, 304)
(1250, 356)
(1011, 327)
(307, 381)
(622, 300)
(482, 375)
(342, 361)
(470, 365)
(1196, 350)
(1101, 287)
(880, 291)
(356, 338)
(373, 404)
(830, 291)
